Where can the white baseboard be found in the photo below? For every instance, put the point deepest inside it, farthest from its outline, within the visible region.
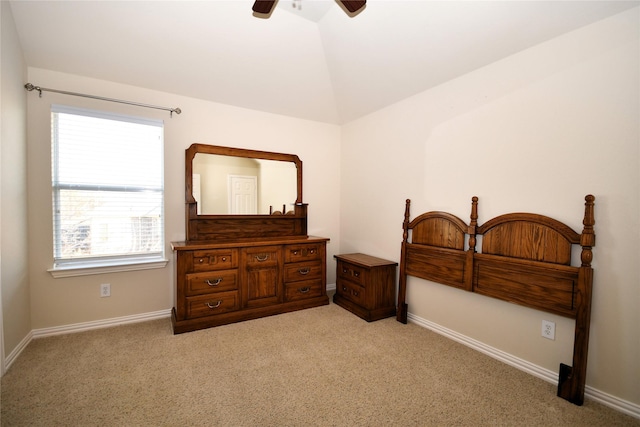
(606, 399)
(16, 351)
(99, 324)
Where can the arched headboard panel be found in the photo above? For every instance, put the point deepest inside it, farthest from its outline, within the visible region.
(528, 236)
(440, 229)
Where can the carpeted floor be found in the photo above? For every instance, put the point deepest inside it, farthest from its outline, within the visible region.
(317, 367)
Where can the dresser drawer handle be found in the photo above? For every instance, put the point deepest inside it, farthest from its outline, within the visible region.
(262, 257)
(216, 283)
(355, 293)
(345, 271)
(304, 271)
(356, 273)
(312, 251)
(208, 304)
(201, 260)
(295, 252)
(304, 290)
(344, 289)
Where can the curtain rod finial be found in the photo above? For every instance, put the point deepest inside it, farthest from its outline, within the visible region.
(31, 87)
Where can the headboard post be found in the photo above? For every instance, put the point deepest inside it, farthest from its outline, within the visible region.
(405, 224)
(588, 237)
(474, 223)
(471, 231)
(401, 311)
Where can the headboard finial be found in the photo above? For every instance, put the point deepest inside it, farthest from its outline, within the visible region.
(405, 224)
(473, 224)
(588, 237)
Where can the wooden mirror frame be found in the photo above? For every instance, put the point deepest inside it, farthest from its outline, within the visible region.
(233, 227)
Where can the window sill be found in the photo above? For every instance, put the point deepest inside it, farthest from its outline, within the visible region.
(86, 269)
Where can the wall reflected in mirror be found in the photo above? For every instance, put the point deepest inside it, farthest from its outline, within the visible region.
(225, 185)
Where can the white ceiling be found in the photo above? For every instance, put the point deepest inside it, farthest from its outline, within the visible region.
(327, 67)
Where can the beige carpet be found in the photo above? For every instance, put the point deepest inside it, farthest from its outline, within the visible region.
(316, 367)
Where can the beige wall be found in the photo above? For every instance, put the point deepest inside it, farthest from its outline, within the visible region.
(534, 132)
(14, 281)
(65, 301)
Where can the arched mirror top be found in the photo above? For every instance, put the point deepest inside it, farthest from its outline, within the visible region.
(235, 181)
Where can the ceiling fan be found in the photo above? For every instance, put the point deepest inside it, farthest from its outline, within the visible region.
(266, 6)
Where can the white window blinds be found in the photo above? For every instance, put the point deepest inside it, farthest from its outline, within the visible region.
(107, 179)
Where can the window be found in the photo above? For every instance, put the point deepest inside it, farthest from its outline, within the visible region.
(108, 191)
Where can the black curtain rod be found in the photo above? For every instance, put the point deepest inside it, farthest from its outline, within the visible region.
(31, 87)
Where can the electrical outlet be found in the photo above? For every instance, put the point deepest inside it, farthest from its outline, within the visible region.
(105, 290)
(548, 329)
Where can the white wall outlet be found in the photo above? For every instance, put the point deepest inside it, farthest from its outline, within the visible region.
(105, 290)
(549, 329)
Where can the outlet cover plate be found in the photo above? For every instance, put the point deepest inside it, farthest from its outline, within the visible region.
(549, 330)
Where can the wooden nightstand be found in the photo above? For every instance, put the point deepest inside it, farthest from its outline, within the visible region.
(366, 286)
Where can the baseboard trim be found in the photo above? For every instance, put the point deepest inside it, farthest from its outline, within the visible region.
(606, 399)
(99, 324)
(17, 351)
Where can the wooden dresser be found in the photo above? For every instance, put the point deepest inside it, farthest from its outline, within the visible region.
(222, 283)
(237, 263)
(366, 286)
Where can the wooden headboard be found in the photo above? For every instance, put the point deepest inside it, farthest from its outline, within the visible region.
(525, 259)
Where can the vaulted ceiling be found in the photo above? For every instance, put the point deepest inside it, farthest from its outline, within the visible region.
(312, 61)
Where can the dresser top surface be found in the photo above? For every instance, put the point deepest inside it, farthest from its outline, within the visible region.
(188, 246)
(364, 260)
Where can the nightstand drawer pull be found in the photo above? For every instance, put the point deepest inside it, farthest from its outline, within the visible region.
(304, 271)
(214, 306)
(216, 283)
(304, 290)
(262, 257)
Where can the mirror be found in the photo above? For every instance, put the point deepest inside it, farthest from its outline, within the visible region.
(233, 181)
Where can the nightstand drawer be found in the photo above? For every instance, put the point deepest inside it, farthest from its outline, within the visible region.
(212, 281)
(352, 292)
(351, 272)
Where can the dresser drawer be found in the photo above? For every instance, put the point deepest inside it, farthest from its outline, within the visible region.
(303, 289)
(218, 259)
(308, 252)
(264, 255)
(211, 304)
(352, 292)
(211, 281)
(302, 271)
(351, 272)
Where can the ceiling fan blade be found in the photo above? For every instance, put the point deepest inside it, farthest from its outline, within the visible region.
(263, 6)
(353, 5)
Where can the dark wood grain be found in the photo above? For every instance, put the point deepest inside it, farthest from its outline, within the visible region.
(525, 259)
